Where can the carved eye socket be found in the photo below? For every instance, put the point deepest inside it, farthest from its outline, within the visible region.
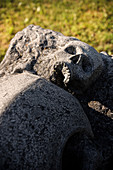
(70, 50)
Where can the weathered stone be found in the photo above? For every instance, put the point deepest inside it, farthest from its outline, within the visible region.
(36, 120)
(97, 103)
(73, 65)
(66, 61)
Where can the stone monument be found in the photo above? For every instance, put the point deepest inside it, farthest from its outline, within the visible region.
(51, 92)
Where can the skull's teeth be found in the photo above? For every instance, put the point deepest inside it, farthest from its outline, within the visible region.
(66, 73)
(64, 69)
(66, 78)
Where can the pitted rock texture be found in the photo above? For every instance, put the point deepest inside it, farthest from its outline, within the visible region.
(75, 66)
(97, 103)
(37, 122)
(66, 61)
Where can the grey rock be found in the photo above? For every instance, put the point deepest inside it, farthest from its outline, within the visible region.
(97, 103)
(66, 61)
(36, 55)
(37, 118)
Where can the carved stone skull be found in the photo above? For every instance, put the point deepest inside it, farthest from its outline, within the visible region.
(75, 65)
(66, 61)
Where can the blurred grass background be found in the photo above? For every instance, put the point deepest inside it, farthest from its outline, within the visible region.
(90, 21)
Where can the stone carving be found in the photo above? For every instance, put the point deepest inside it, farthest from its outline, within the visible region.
(36, 120)
(66, 61)
(36, 54)
(97, 103)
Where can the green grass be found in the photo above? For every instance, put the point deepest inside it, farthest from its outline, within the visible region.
(88, 20)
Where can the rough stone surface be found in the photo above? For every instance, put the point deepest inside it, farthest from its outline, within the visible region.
(97, 103)
(74, 66)
(36, 120)
(66, 61)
